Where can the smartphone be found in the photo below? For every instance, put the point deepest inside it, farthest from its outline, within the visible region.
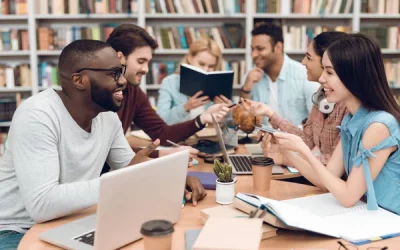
(267, 129)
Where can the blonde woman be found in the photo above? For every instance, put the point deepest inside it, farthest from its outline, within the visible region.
(175, 107)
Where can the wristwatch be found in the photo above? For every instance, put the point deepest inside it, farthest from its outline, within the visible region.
(245, 91)
(198, 123)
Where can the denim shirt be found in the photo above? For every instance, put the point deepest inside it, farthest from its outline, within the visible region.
(171, 101)
(385, 190)
(294, 91)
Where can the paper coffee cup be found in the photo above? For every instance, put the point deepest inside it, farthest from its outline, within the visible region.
(262, 177)
(157, 235)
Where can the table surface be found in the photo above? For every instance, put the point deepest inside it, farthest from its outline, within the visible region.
(190, 219)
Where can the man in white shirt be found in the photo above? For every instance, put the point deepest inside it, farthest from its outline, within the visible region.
(58, 142)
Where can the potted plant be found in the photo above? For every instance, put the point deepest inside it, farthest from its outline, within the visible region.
(225, 188)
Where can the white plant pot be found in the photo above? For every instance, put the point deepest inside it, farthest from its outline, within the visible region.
(225, 192)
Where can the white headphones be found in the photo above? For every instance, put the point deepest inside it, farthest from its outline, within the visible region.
(319, 100)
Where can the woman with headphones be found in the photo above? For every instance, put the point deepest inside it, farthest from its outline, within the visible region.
(319, 132)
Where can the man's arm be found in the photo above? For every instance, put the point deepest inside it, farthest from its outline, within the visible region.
(147, 119)
(34, 144)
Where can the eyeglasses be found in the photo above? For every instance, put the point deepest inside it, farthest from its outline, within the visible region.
(352, 247)
(117, 71)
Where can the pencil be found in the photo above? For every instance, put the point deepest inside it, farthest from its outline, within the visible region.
(173, 143)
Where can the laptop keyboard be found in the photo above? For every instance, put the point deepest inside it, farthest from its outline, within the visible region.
(241, 163)
(87, 238)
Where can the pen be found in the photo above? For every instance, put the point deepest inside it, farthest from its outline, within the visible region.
(173, 143)
(233, 105)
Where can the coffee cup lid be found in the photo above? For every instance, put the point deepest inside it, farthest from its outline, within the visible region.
(262, 161)
(157, 228)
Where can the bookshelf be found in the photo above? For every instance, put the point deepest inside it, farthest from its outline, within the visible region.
(143, 16)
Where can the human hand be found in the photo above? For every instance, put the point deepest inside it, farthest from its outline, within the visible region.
(196, 101)
(192, 151)
(290, 142)
(143, 155)
(253, 76)
(198, 191)
(257, 108)
(219, 111)
(221, 99)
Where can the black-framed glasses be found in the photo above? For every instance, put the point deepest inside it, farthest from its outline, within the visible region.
(117, 71)
(343, 246)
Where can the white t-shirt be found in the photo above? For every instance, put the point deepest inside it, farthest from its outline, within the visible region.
(51, 166)
(273, 95)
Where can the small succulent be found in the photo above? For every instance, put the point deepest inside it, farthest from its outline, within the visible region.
(223, 171)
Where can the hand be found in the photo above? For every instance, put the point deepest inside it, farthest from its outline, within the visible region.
(198, 191)
(196, 101)
(257, 108)
(192, 151)
(291, 142)
(143, 155)
(222, 100)
(253, 76)
(219, 111)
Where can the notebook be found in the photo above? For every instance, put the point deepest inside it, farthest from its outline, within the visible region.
(323, 214)
(190, 237)
(207, 179)
(212, 84)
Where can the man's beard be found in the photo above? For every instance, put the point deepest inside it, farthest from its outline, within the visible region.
(103, 98)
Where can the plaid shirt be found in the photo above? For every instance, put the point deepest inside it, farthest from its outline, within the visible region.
(318, 131)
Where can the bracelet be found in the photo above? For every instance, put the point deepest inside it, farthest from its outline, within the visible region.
(245, 91)
(198, 123)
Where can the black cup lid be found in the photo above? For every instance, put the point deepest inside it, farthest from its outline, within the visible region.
(157, 228)
(262, 161)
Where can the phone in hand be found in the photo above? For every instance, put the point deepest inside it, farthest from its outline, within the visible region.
(267, 129)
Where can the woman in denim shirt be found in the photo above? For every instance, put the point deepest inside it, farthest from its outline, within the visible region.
(175, 107)
(368, 152)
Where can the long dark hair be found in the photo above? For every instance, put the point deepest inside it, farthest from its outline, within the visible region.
(322, 41)
(358, 62)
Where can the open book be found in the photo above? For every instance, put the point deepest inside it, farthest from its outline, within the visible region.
(323, 214)
(211, 83)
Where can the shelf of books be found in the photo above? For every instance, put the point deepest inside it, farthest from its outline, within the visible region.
(48, 25)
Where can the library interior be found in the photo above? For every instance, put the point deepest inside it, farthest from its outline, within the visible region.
(199, 124)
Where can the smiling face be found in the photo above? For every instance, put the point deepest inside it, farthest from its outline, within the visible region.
(106, 91)
(264, 54)
(335, 90)
(204, 60)
(313, 63)
(137, 64)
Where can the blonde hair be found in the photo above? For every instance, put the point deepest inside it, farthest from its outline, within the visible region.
(203, 44)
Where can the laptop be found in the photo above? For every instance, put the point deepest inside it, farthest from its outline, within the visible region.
(128, 197)
(241, 164)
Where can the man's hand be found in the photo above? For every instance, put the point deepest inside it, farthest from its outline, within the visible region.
(257, 108)
(198, 191)
(143, 155)
(253, 76)
(196, 101)
(219, 111)
(221, 99)
(193, 152)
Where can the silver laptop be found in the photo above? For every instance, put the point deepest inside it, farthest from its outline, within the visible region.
(241, 164)
(128, 197)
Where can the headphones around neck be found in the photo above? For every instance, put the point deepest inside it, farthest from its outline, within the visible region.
(319, 100)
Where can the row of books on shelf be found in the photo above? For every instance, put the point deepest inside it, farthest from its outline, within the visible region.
(3, 139)
(13, 7)
(18, 76)
(298, 37)
(60, 7)
(392, 69)
(229, 35)
(380, 6)
(161, 69)
(322, 7)
(13, 39)
(387, 37)
(195, 6)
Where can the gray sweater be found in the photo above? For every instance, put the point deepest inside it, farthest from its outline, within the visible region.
(51, 165)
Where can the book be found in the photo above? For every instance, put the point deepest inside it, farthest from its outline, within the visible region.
(229, 234)
(207, 179)
(230, 211)
(212, 84)
(323, 214)
(190, 237)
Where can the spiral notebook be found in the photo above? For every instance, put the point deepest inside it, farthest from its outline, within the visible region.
(323, 214)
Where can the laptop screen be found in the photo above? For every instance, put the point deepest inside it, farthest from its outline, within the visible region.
(220, 139)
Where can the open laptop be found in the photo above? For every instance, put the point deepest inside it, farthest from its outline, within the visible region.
(241, 164)
(128, 197)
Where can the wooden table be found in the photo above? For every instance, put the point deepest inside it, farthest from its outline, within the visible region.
(190, 218)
